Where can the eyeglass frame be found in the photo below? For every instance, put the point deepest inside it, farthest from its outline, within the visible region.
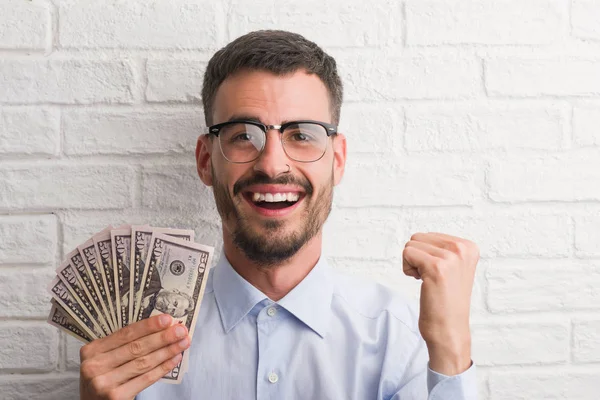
(330, 130)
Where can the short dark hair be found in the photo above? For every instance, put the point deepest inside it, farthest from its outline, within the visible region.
(275, 51)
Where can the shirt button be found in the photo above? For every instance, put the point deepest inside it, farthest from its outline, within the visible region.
(273, 378)
(271, 311)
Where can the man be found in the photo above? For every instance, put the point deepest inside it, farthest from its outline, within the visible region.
(276, 322)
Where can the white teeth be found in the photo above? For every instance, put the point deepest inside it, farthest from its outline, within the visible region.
(273, 198)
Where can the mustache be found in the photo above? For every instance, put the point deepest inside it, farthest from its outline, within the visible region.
(265, 180)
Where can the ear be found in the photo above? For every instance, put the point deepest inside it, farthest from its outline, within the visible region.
(203, 161)
(339, 157)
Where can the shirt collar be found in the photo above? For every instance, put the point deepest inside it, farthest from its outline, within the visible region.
(309, 301)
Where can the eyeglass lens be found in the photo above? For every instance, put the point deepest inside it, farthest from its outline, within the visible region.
(303, 142)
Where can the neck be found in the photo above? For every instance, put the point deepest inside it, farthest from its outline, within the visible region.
(278, 280)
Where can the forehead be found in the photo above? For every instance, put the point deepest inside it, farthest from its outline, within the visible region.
(272, 98)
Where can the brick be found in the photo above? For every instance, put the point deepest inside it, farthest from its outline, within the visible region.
(364, 233)
(478, 127)
(548, 285)
(550, 76)
(29, 131)
(520, 343)
(501, 234)
(372, 128)
(483, 22)
(328, 23)
(131, 131)
(72, 354)
(40, 387)
(413, 181)
(585, 19)
(176, 187)
(79, 226)
(25, 294)
(366, 78)
(586, 343)
(586, 120)
(24, 25)
(65, 81)
(36, 347)
(28, 239)
(569, 177)
(156, 24)
(587, 236)
(174, 80)
(555, 384)
(65, 186)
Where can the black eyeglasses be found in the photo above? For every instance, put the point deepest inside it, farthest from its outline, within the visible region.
(243, 141)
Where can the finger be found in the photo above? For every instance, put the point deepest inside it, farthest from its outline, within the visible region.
(139, 348)
(441, 240)
(147, 344)
(132, 388)
(127, 335)
(417, 259)
(434, 250)
(141, 365)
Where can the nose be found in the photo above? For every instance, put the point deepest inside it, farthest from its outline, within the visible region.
(272, 161)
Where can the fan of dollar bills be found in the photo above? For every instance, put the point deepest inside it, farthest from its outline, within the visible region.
(125, 274)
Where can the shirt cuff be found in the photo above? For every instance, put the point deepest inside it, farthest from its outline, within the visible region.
(458, 387)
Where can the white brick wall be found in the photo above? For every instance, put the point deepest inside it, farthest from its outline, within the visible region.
(474, 118)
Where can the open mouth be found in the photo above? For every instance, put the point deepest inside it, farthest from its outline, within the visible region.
(274, 201)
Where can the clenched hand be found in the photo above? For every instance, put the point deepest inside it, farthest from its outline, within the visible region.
(123, 364)
(446, 264)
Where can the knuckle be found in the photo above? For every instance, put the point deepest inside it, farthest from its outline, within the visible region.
(458, 248)
(127, 334)
(98, 385)
(88, 368)
(113, 394)
(135, 348)
(149, 378)
(86, 351)
(142, 363)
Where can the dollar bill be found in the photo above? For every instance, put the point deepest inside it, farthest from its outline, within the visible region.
(76, 260)
(103, 246)
(177, 286)
(66, 273)
(121, 252)
(140, 244)
(96, 272)
(63, 296)
(61, 319)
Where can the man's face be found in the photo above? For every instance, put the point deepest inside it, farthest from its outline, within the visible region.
(173, 303)
(269, 233)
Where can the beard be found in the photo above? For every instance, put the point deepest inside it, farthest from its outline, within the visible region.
(276, 246)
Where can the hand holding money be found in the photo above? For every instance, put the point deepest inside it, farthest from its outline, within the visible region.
(112, 292)
(123, 364)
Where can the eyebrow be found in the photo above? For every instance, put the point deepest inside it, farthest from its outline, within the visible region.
(254, 118)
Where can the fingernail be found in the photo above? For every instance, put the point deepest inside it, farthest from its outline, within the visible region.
(183, 343)
(179, 331)
(164, 320)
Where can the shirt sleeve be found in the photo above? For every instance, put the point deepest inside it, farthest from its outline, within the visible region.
(457, 387)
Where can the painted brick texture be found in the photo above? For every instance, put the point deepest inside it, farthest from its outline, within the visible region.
(479, 119)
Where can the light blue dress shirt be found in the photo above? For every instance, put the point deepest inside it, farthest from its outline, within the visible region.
(332, 337)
